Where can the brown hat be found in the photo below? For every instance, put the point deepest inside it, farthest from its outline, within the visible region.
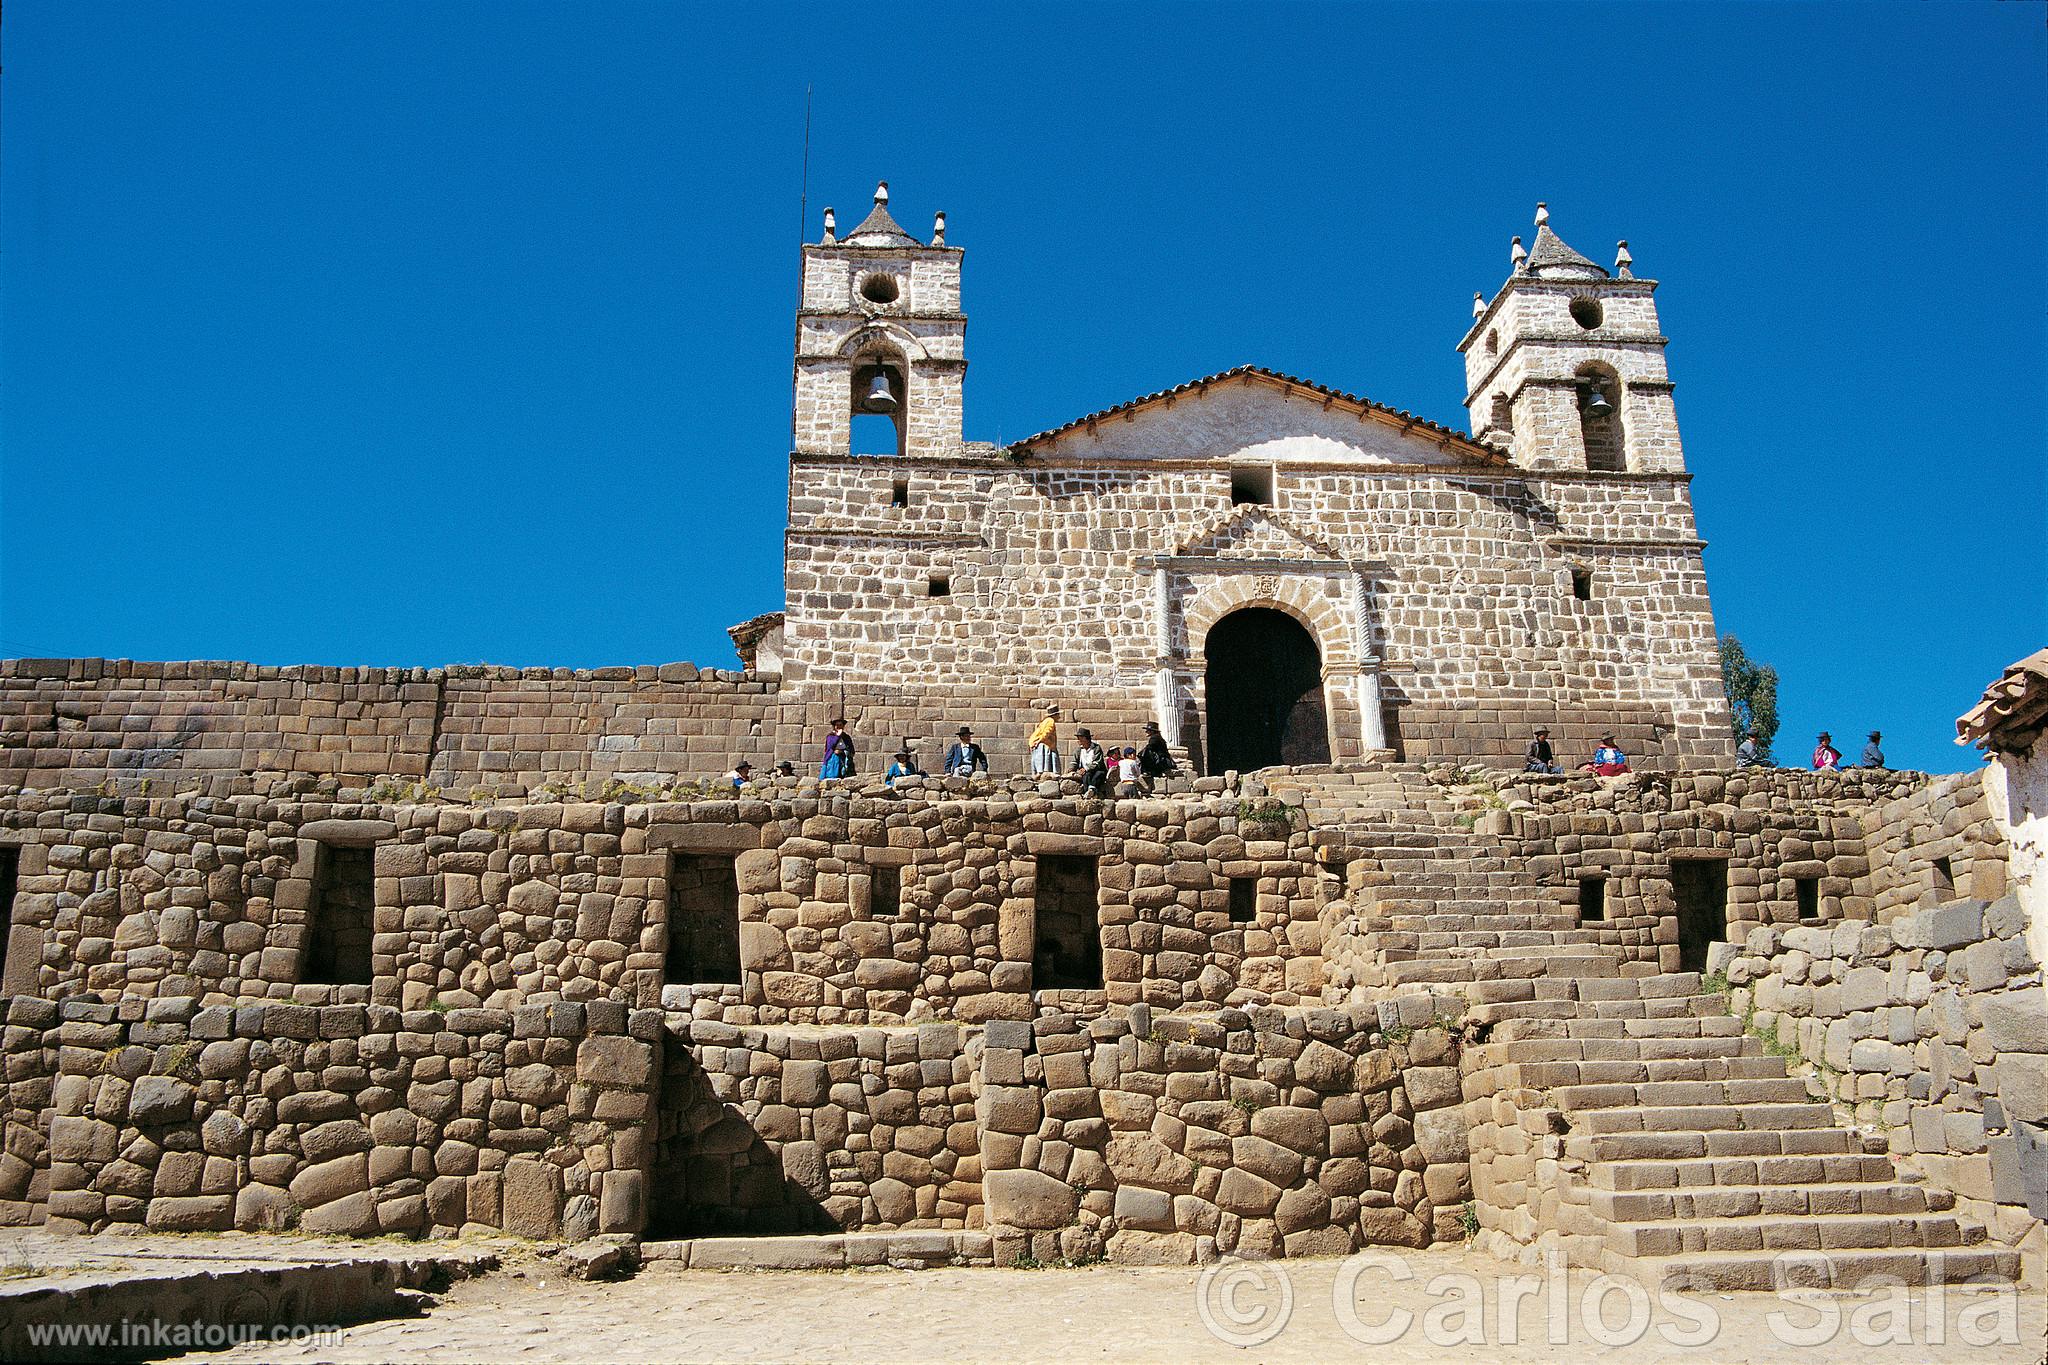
(964, 731)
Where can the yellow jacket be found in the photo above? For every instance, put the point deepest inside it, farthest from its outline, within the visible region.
(1045, 732)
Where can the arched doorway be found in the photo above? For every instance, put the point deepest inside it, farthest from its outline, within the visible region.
(1265, 685)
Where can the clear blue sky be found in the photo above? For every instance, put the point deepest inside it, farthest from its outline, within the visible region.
(403, 333)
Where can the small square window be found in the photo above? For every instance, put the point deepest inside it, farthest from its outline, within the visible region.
(939, 585)
(1252, 484)
(1582, 585)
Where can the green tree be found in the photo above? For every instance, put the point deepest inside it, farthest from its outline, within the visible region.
(1752, 689)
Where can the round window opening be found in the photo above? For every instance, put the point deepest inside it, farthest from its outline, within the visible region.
(879, 288)
(1586, 312)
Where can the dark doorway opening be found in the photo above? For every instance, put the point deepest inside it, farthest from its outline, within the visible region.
(1265, 682)
(1592, 899)
(703, 921)
(1700, 887)
(1068, 951)
(1244, 900)
(18, 963)
(1808, 891)
(343, 917)
(1944, 879)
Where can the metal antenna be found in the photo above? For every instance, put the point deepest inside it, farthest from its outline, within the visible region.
(803, 224)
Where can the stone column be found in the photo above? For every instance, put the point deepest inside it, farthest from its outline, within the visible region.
(1166, 705)
(1375, 723)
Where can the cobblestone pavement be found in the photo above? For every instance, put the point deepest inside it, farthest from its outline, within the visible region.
(1112, 1313)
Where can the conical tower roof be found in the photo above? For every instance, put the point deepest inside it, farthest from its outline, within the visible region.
(878, 228)
(1552, 259)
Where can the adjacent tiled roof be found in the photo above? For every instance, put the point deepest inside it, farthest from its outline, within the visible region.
(1260, 374)
(748, 634)
(1551, 252)
(879, 229)
(2014, 710)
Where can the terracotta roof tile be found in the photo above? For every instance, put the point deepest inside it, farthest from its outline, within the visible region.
(2014, 710)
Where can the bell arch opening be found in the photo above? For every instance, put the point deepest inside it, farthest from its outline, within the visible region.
(1264, 676)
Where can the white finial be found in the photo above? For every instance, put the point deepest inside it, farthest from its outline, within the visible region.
(831, 226)
(1622, 260)
(939, 228)
(881, 191)
(1478, 303)
(1517, 256)
(1542, 214)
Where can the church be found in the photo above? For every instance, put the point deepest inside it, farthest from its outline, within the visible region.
(1276, 570)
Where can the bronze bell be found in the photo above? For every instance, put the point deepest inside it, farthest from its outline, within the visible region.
(879, 398)
(1595, 404)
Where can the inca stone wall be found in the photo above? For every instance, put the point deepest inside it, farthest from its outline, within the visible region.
(1932, 1028)
(343, 1119)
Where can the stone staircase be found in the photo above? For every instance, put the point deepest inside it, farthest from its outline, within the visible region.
(1617, 1112)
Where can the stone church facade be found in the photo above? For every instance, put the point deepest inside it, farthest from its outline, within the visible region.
(1442, 593)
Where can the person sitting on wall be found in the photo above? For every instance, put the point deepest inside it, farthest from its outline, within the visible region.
(1873, 757)
(965, 758)
(1826, 757)
(1750, 754)
(1608, 759)
(1045, 744)
(904, 766)
(741, 774)
(1541, 758)
(785, 769)
(1128, 772)
(1155, 760)
(1091, 765)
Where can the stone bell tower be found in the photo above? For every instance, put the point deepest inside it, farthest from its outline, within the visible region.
(1564, 368)
(880, 331)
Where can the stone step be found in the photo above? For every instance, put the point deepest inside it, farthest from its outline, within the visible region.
(1842, 1270)
(1534, 1046)
(1841, 1168)
(1682, 1145)
(1760, 1233)
(1681, 1093)
(1452, 970)
(1873, 1198)
(905, 1249)
(1774, 1117)
(1546, 1075)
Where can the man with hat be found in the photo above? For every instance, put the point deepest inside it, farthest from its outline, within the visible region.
(1155, 760)
(1091, 765)
(1541, 758)
(965, 758)
(1873, 756)
(741, 774)
(1045, 744)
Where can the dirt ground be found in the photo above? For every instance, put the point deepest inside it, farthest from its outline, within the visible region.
(1309, 1311)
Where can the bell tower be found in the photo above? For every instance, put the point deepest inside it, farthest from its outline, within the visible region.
(880, 331)
(1564, 368)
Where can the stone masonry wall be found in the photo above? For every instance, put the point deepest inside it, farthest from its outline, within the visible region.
(1772, 827)
(1932, 1028)
(345, 1119)
(209, 727)
(780, 1130)
(1167, 1139)
(1950, 820)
